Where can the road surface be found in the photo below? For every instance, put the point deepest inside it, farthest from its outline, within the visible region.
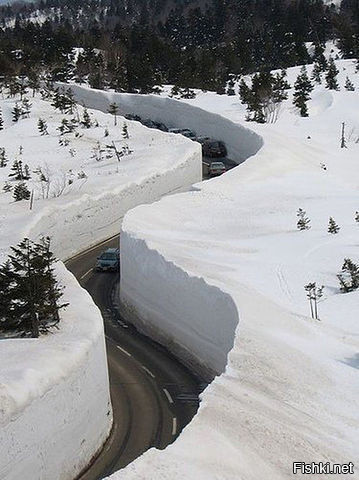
(153, 395)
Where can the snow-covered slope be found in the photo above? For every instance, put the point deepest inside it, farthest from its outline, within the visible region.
(55, 411)
(290, 389)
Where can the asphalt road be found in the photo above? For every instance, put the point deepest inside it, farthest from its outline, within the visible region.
(153, 395)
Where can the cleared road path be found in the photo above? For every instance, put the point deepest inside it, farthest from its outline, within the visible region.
(153, 395)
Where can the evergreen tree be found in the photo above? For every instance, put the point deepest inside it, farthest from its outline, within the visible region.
(3, 158)
(319, 57)
(331, 76)
(16, 113)
(31, 304)
(7, 188)
(27, 174)
(21, 192)
(303, 221)
(1, 121)
(125, 134)
(316, 73)
(17, 171)
(42, 127)
(86, 119)
(230, 87)
(349, 277)
(349, 86)
(113, 109)
(302, 89)
(106, 133)
(25, 108)
(332, 226)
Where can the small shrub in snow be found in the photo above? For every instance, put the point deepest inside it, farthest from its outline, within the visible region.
(3, 158)
(356, 217)
(25, 108)
(86, 119)
(29, 304)
(303, 222)
(331, 76)
(333, 227)
(7, 187)
(125, 134)
(21, 192)
(314, 294)
(230, 87)
(19, 172)
(187, 93)
(81, 175)
(67, 126)
(349, 276)
(106, 133)
(1, 121)
(16, 113)
(349, 86)
(42, 126)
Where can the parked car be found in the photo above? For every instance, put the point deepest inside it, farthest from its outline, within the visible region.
(132, 116)
(161, 126)
(216, 168)
(109, 260)
(188, 133)
(174, 130)
(213, 148)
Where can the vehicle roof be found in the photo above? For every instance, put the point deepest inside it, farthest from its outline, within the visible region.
(111, 250)
(217, 164)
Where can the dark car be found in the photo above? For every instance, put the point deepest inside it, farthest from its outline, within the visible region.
(216, 168)
(132, 116)
(108, 261)
(213, 148)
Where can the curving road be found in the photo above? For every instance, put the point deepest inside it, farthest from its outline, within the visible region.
(153, 395)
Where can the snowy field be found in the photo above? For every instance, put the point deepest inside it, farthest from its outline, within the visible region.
(55, 412)
(290, 389)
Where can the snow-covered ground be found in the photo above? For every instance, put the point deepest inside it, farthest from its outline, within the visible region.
(55, 411)
(290, 389)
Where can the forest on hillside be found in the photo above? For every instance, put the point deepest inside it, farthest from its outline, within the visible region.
(132, 45)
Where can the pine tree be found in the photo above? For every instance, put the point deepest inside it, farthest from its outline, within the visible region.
(32, 293)
(1, 121)
(16, 113)
(3, 158)
(125, 134)
(332, 226)
(303, 221)
(113, 109)
(17, 171)
(21, 192)
(316, 73)
(27, 174)
(331, 76)
(25, 108)
(42, 126)
(349, 277)
(7, 188)
(349, 86)
(302, 89)
(230, 87)
(175, 91)
(86, 119)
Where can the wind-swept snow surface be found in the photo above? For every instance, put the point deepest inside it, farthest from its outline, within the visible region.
(290, 390)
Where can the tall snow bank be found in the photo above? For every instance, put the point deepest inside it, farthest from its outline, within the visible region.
(290, 390)
(241, 142)
(55, 410)
(54, 395)
(196, 321)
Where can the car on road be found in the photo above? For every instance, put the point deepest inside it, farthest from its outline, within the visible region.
(186, 132)
(216, 168)
(108, 261)
(213, 148)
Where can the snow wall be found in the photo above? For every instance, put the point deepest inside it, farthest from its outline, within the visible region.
(241, 142)
(195, 321)
(54, 394)
(55, 415)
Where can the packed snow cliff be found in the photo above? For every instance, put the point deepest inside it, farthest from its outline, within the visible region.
(289, 392)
